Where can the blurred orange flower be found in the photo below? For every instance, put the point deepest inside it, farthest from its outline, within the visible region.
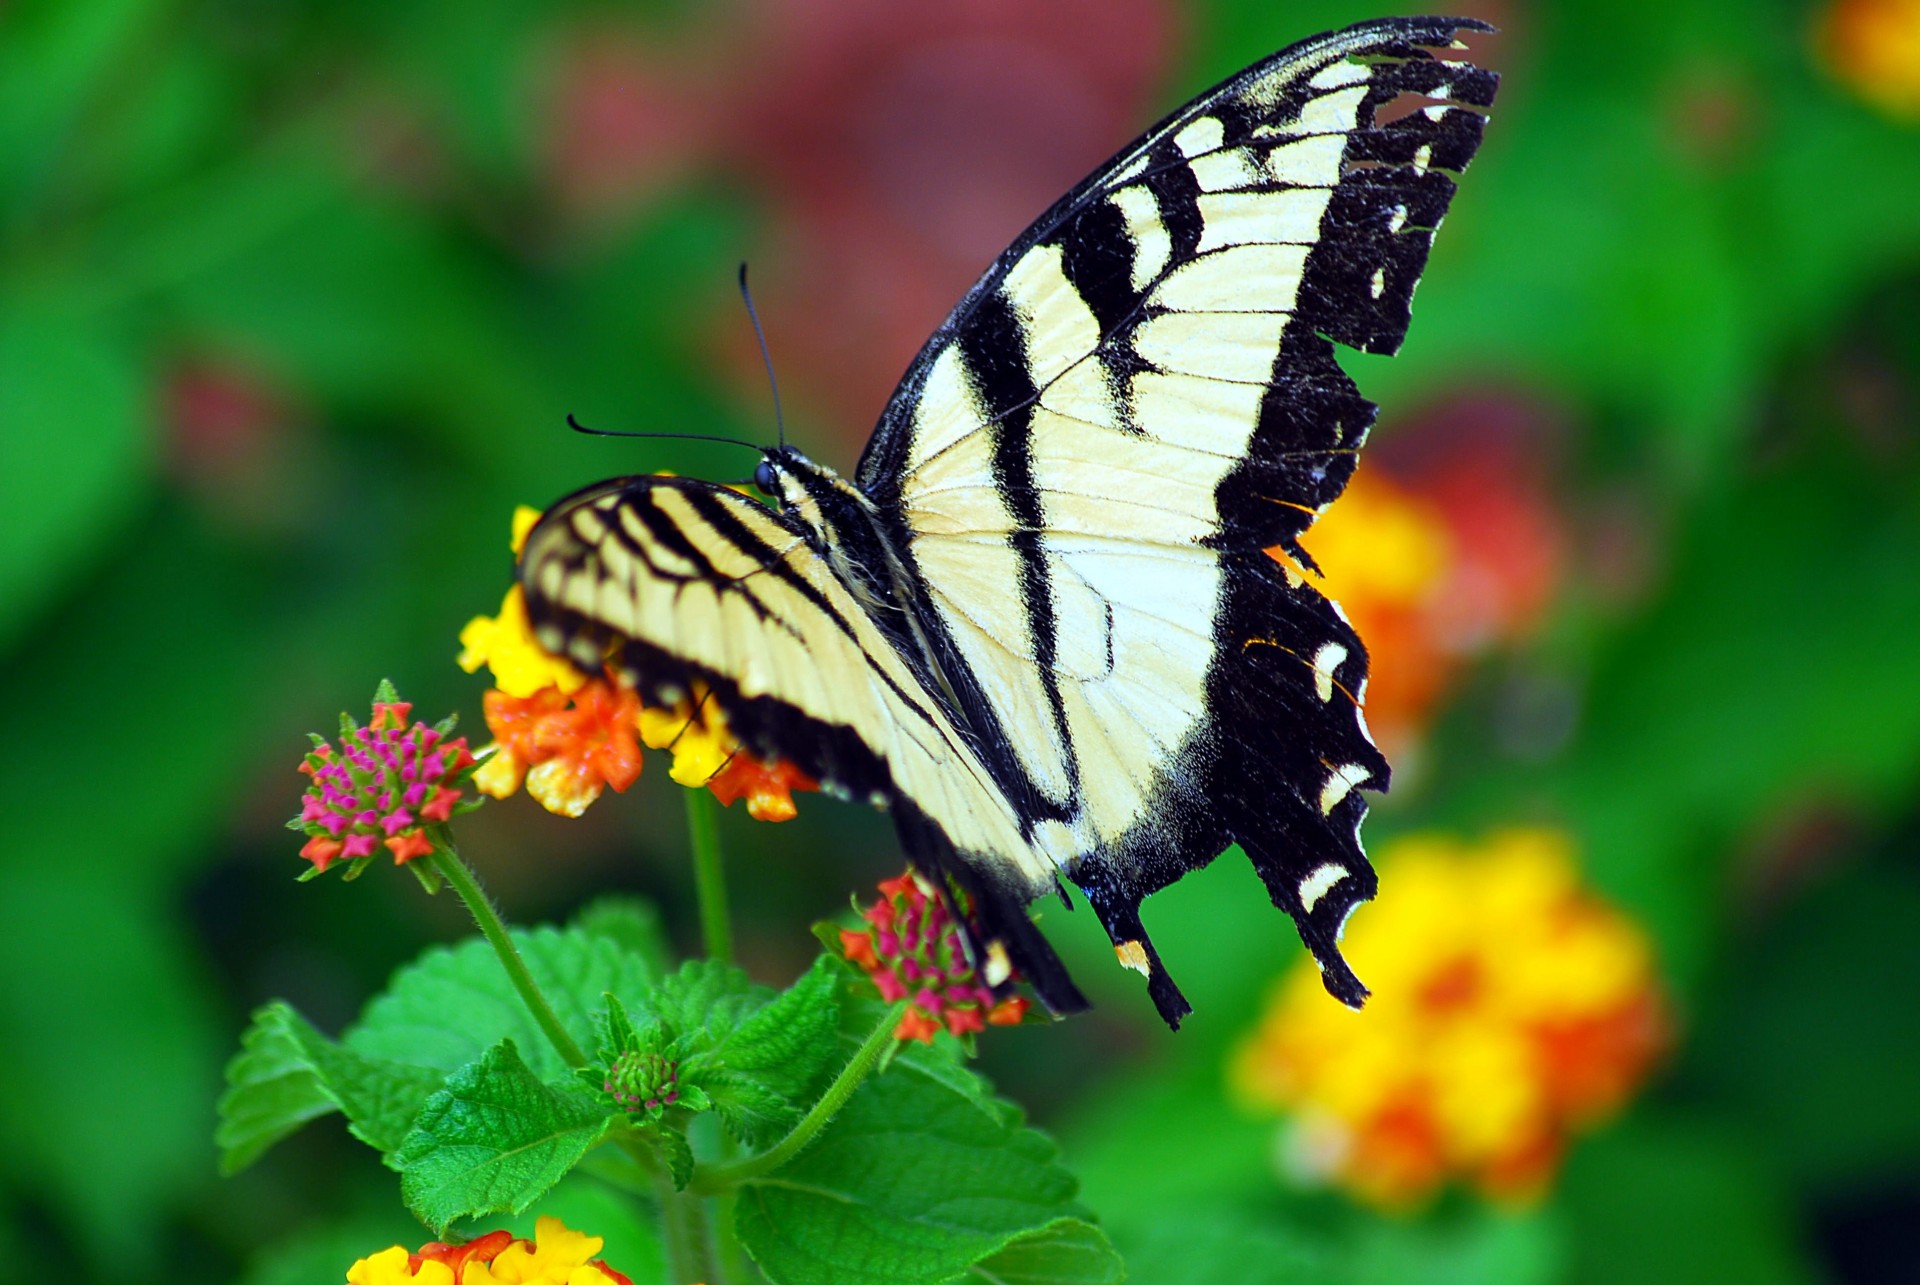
(1445, 544)
(1511, 1008)
(1873, 46)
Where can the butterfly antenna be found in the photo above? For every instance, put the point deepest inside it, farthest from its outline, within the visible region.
(578, 427)
(779, 421)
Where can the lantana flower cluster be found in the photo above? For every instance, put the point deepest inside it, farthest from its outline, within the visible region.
(1873, 46)
(1511, 1009)
(568, 737)
(642, 1082)
(557, 1255)
(913, 951)
(389, 785)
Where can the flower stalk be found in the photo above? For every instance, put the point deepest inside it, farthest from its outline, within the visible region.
(879, 1041)
(449, 866)
(709, 877)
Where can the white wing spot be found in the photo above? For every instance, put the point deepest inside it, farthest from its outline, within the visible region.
(1379, 285)
(1325, 662)
(1152, 243)
(1340, 784)
(1204, 135)
(1319, 884)
(1336, 74)
(1399, 219)
(1423, 158)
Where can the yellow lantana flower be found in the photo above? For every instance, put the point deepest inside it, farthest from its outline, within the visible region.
(393, 1266)
(557, 1255)
(1511, 1007)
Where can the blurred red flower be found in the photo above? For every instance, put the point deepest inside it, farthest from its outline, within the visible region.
(901, 148)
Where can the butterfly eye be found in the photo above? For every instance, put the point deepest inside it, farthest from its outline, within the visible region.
(763, 479)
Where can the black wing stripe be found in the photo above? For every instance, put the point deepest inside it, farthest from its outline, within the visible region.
(996, 355)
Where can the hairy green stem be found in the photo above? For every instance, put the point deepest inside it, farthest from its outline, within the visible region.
(721, 1178)
(709, 876)
(448, 865)
(683, 1227)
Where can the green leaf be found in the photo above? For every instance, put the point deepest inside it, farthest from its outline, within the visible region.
(454, 1003)
(1068, 1252)
(674, 1149)
(1209, 1246)
(761, 1074)
(632, 924)
(911, 1182)
(70, 493)
(861, 1009)
(492, 1141)
(288, 1073)
(272, 1089)
(705, 1000)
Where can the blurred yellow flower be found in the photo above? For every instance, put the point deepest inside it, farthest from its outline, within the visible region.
(1510, 1008)
(1873, 46)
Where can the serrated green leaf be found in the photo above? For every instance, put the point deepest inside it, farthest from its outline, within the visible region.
(1068, 1252)
(673, 1148)
(493, 1140)
(761, 1074)
(704, 1001)
(272, 1089)
(617, 1034)
(288, 1073)
(454, 1003)
(912, 1182)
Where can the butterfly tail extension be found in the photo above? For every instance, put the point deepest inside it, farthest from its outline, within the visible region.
(1118, 906)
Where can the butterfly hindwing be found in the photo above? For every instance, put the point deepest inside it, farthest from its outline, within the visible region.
(681, 586)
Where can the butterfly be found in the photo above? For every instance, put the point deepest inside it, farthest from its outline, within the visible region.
(1039, 623)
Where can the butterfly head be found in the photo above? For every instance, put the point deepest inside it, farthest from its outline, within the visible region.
(811, 492)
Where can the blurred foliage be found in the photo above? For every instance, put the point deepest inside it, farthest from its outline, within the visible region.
(294, 297)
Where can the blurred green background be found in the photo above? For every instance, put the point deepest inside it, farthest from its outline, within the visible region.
(294, 298)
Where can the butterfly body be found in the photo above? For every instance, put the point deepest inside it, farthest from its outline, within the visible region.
(1040, 622)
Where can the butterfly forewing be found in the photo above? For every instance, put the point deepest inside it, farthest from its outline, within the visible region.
(1090, 662)
(1087, 459)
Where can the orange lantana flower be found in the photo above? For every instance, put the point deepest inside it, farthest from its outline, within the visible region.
(567, 736)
